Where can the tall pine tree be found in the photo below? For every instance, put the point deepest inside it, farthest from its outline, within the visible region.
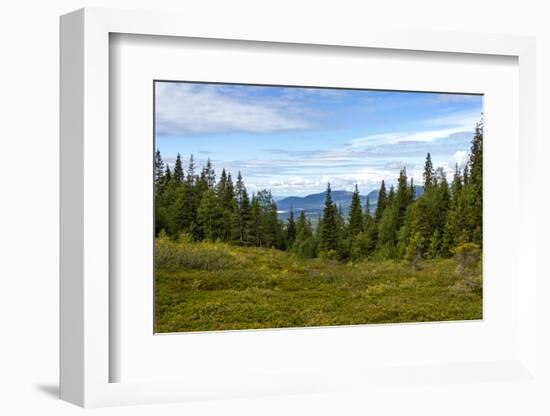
(428, 174)
(242, 211)
(328, 240)
(291, 228)
(381, 203)
(178, 170)
(355, 214)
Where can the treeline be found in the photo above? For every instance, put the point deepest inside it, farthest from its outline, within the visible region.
(400, 227)
(196, 204)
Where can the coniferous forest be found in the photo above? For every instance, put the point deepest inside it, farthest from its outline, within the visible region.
(224, 260)
(448, 215)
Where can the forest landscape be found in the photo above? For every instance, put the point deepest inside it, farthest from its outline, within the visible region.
(279, 207)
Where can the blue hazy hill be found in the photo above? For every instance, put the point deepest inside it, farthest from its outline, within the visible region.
(313, 204)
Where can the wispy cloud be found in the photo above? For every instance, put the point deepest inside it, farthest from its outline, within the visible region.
(435, 128)
(183, 108)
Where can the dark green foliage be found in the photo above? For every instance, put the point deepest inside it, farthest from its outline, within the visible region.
(254, 225)
(456, 186)
(464, 222)
(158, 171)
(382, 200)
(387, 228)
(355, 214)
(241, 217)
(328, 240)
(210, 216)
(303, 228)
(476, 185)
(178, 170)
(428, 174)
(434, 250)
(305, 244)
(403, 197)
(402, 227)
(291, 229)
(271, 230)
(391, 197)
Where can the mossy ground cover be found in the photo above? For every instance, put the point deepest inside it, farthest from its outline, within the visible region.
(216, 286)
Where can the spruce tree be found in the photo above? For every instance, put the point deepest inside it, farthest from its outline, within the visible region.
(229, 194)
(435, 245)
(387, 227)
(228, 203)
(421, 221)
(428, 172)
(329, 232)
(456, 186)
(381, 203)
(255, 222)
(303, 227)
(476, 184)
(167, 175)
(269, 223)
(243, 209)
(355, 214)
(441, 200)
(210, 216)
(291, 228)
(305, 244)
(178, 170)
(208, 175)
(222, 183)
(391, 197)
(159, 171)
(402, 198)
(191, 175)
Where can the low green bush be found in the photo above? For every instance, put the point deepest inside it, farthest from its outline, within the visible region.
(184, 254)
(467, 256)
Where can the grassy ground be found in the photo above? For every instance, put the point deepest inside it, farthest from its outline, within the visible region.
(214, 286)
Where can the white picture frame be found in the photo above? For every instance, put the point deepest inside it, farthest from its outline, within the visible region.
(85, 211)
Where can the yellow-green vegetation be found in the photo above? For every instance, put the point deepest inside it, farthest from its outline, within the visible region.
(203, 286)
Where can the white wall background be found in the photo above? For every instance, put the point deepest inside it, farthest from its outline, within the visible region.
(29, 187)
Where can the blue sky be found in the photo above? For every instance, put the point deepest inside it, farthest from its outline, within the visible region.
(294, 140)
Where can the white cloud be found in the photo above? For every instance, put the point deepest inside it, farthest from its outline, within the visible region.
(186, 108)
(436, 128)
(464, 119)
(461, 158)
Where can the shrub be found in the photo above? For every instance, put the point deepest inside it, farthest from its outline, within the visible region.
(468, 259)
(361, 246)
(467, 256)
(415, 250)
(181, 253)
(305, 248)
(385, 252)
(329, 255)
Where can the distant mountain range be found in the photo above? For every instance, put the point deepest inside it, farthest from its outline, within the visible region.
(313, 204)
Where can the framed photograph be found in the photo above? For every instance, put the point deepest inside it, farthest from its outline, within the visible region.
(281, 213)
(350, 219)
